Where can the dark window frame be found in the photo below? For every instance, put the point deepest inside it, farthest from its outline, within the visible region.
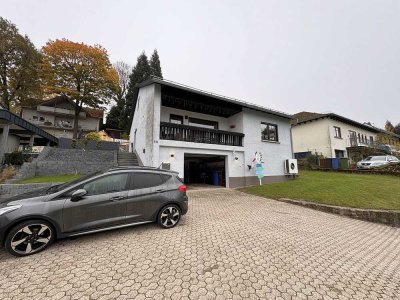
(194, 121)
(266, 138)
(338, 132)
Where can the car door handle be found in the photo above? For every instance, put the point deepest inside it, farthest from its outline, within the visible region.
(160, 191)
(116, 198)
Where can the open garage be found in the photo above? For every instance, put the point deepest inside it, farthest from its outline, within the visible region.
(203, 169)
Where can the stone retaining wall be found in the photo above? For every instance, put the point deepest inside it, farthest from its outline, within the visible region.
(388, 217)
(56, 161)
(10, 190)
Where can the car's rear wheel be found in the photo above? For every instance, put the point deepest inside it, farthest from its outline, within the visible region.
(169, 216)
(29, 237)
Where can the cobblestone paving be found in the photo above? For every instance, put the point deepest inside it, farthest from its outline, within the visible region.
(230, 245)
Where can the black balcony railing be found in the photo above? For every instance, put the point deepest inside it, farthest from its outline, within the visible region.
(184, 133)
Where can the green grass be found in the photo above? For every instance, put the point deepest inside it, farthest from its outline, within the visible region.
(335, 188)
(44, 179)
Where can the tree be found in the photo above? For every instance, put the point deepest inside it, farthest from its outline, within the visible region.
(155, 65)
(141, 72)
(114, 117)
(396, 129)
(81, 72)
(19, 60)
(389, 126)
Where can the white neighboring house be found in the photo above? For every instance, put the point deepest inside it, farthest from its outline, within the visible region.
(208, 138)
(56, 116)
(331, 135)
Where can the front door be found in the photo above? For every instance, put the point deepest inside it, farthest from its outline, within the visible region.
(103, 206)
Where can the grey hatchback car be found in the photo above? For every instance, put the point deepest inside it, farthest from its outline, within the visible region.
(113, 199)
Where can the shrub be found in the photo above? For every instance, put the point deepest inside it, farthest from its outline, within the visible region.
(7, 173)
(15, 158)
(93, 136)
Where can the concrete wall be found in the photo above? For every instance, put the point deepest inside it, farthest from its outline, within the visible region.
(274, 153)
(319, 136)
(12, 143)
(312, 136)
(145, 119)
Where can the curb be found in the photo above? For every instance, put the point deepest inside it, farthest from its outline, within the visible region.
(387, 217)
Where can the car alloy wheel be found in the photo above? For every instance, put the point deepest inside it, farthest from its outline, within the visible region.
(169, 216)
(29, 237)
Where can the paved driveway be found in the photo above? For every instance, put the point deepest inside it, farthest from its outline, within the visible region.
(230, 245)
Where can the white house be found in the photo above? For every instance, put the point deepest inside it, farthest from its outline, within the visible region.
(208, 138)
(331, 135)
(56, 116)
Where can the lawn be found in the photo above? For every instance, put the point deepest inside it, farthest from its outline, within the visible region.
(55, 178)
(335, 188)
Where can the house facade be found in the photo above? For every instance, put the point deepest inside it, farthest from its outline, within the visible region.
(16, 132)
(208, 139)
(56, 116)
(334, 136)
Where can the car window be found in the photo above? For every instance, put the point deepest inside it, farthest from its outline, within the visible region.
(378, 158)
(141, 180)
(107, 184)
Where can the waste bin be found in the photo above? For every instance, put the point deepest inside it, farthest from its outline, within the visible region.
(215, 179)
(335, 163)
(344, 163)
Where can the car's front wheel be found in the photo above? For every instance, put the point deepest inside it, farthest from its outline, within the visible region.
(29, 237)
(169, 216)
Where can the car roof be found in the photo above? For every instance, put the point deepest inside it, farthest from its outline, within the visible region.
(136, 168)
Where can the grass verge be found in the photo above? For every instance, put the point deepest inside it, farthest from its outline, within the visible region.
(334, 188)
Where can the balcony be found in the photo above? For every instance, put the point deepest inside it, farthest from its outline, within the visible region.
(184, 133)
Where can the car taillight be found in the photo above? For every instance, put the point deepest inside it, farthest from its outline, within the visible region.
(182, 188)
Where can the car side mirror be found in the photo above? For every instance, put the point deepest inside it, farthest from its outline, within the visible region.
(78, 194)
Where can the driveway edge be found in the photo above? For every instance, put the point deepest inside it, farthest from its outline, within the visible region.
(387, 217)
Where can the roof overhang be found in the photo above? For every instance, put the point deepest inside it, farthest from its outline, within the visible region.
(233, 101)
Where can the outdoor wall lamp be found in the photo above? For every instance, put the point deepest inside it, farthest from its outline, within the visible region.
(172, 155)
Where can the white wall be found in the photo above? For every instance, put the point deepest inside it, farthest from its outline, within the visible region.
(319, 136)
(312, 136)
(146, 123)
(274, 153)
(12, 143)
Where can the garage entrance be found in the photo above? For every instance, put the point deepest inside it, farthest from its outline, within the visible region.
(202, 169)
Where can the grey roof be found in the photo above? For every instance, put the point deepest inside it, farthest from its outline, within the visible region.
(215, 96)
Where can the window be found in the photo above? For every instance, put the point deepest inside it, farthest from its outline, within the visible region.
(269, 132)
(35, 118)
(338, 132)
(107, 184)
(175, 119)
(339, 153)
(203, 123)
(145, 180)
(371, 139)
(41, 119)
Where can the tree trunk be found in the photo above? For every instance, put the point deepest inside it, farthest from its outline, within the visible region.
(78, 108)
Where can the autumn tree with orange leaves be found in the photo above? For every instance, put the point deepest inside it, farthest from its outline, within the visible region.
(81, 72)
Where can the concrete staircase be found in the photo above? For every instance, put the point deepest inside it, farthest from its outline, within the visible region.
(127, 159)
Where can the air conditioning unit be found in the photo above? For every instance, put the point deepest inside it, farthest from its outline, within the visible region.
(291, 166)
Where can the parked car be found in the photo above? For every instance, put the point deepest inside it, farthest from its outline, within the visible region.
(117, 198)
(377, 161)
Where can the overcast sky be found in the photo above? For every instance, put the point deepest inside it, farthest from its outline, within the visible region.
(322, 56)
